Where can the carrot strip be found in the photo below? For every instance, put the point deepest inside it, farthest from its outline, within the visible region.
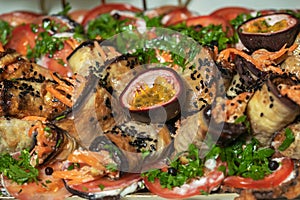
(89, 158)
(224, 55)
(100, 50)
(59, 96)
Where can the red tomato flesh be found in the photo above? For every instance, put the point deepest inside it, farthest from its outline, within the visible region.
(270, 181)
(230, 13)
(204, 184)
(17, 18)
(107, 8)
(47, 188)
(107, 184)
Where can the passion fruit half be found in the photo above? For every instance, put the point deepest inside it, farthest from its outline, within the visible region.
(270, 32)
(154, 95)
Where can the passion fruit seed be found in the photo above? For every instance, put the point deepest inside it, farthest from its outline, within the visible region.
(262, 26)
(161, 91)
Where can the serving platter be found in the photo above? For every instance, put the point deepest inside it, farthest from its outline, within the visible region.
(48, 8)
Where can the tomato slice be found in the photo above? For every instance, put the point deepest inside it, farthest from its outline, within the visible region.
(47, 188)
(204, 184)
(104, 187)
(58, 63)
(78, 15)
(17, 18)
(22, 38)
(230, 13)
(106, 8)
(176, 16)
(205, 20)
(270, 181)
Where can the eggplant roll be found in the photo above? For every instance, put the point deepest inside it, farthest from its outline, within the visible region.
(15, 66)
(268, 111)
(21, 98)
(100, 112)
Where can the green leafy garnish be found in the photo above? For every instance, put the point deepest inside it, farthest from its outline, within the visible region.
(289, 139)
(247, 160)
(211, 35)
(106, 26)
(111, 167)
(67, 7)
(101, 187)
(5, 32)
(45, 44)
(18, 170)
(178, 172)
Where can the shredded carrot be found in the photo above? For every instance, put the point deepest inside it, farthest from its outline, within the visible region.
(73, 43)
(224, 55)
(100, 50)
(1, 47)
(33, 129)
(90, 158)
(59, 96)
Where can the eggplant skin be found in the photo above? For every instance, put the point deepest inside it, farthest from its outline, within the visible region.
(269, 113)
(14, 135)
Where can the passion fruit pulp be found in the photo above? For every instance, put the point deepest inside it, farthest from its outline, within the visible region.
(154, 95)
(270, 32)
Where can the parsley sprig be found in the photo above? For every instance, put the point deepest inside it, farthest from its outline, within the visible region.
(247, 159)
(5, 32)
(179, 173)
(18, 170)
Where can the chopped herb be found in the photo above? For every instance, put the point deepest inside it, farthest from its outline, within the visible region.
(106, 26)
(101, 187)
(48, 181)
(5, 32)
(203, 192)
(111, 167)
(45, 44)
(58, 143)
(240, 119)
(85, 188)
(18, 170)
(47, 129)
(145, 153)
(184, 171)
(247, 160)
(289, 139)
(60, 117)
(67, 7)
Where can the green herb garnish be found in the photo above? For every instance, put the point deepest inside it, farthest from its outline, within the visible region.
(247, 160)
(5, 32)
(111, 167)
(18, 170)
(289, 139)
(101, 187)
(181, 172)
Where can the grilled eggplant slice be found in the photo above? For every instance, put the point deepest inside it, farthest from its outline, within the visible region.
(268, 111)
(21, 98)
(99, 113)
(142, 144)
